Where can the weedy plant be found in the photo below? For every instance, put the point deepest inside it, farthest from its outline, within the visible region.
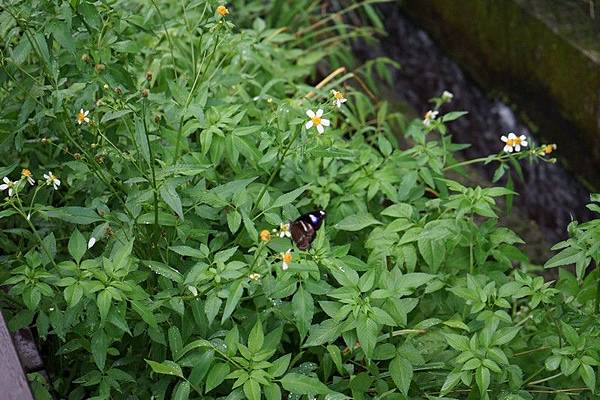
(154, 155)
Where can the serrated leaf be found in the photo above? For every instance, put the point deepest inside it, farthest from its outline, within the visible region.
(354, 223)
(401, 371)
(303, 384)
(77, 246)
(166, 368)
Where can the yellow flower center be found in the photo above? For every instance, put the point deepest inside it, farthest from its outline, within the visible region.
(514, 142)
(287, 257)
(26, 173)
(338, 95)
(316, 120)
(265, 235)
(80, 117)
(222, 11)
(549, 148)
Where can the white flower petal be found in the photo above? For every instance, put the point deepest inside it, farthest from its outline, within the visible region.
(512, 136)
(523, 137)
(504, 139)
(310, 113)
(81, 111)
(308, 124)
(10, 191)
(6, 180)
(3, 187)
(319, 112)
(91, 242)
(325, 122)
(284, 265)
(320, 128)
(57, 182)
(85, 114)
(518, 147)
(524, 143)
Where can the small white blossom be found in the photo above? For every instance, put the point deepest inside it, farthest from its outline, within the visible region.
(27, 174)
(514, 142)
(447, 96)
(338, 98)
(8, 184)
(317, 120)
(287, 259)
(429, 117)
(82, 116)
(254, 276)
(284, 230)
(51, 179)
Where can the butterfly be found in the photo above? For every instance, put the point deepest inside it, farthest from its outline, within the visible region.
(304, 229)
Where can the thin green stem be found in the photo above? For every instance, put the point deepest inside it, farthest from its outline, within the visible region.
(162, 21)
(152, 169)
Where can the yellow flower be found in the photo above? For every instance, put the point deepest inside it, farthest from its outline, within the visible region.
(287, 259)
(222, 11)
(265, 235)
(27, 174)
(254, 277)
(549, 148)
(82, 116)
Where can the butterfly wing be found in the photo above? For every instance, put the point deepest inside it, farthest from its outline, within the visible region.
(304, 229)
(302, 234)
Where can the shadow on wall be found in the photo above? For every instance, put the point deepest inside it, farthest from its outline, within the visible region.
(549, 195)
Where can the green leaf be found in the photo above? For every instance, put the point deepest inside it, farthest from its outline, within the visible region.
(457, 342)
(482, 377)
(187, 251)
(165, 270)
(144, 312)
(272, 392)
(216, 376)
(401, 371)
(234, 220)
(104, 300)
(451, 380)
(570, 255)
(175, 341)
(212, 307)
(167, 367)
(280, 365)
(356, 222)
(303, 384)
(256, 338)
(504, 335)
(304, 308)
(452, 115)
(77, 245)
(288, 198)
(170, 196)
(73, 294)
(141, 139)
(201, 368)
(235, 294)
(252, 389)
(99, 347)
(182, 392)
(589, 376)
(74, 215)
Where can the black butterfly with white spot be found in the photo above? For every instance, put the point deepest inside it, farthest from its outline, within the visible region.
(304, 229)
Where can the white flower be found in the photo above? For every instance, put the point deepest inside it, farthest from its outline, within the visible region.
(254, 277)
(284, 230)
(287, 259)
(429, 117)
(447, 96)
(316, 120)
(82, 117)
(514, 142)
(52, 180)
(91, 242)
(8, 184)
(27, 174)
(338, 98)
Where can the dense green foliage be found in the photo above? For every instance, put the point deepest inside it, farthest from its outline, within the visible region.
(151, 270)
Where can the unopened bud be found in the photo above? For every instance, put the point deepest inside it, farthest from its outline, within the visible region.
(149, 76)
(100, 68)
